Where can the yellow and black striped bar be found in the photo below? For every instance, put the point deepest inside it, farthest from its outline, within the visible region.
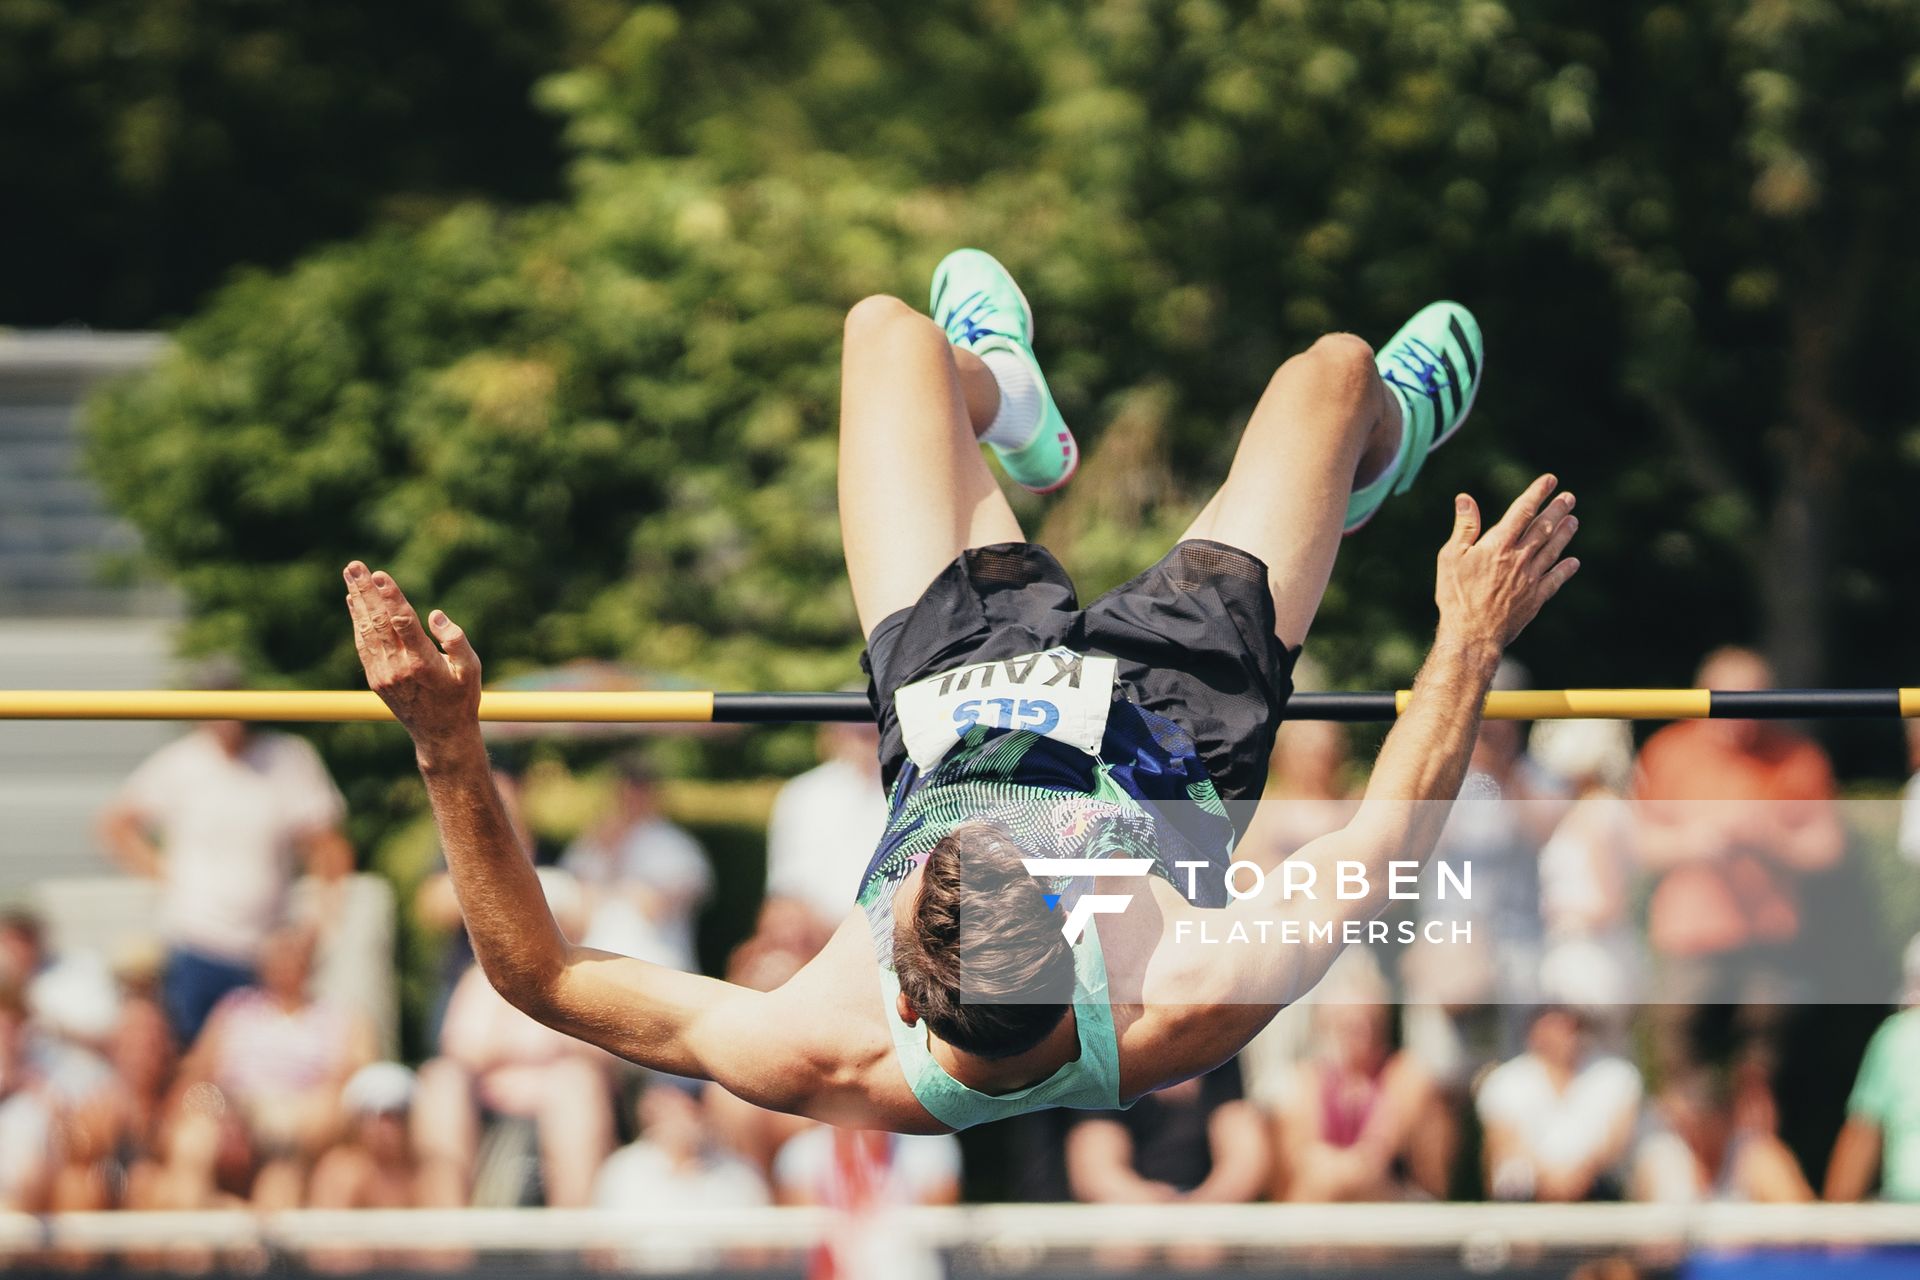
(707, 707)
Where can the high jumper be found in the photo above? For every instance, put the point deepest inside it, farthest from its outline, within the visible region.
(1032, 745)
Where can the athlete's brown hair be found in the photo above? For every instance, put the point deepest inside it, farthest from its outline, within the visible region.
(980, 957)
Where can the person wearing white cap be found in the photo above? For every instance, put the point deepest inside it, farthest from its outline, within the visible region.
(1882, 1133)
(375, 1166)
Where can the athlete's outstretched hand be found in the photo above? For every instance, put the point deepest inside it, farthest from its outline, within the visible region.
(435, 694)
(1490, 585)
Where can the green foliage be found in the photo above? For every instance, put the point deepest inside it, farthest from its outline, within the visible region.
(605, 427)
(163, 142)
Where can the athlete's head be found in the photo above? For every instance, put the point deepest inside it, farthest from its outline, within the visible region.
(980, 958)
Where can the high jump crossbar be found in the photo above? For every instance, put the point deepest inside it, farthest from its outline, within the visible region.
(709, 707)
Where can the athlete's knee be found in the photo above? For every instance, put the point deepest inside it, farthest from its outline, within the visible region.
(1342, 351)
(1337, 364)
(882, 316)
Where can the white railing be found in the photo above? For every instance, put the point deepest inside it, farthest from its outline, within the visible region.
(1475, 1228)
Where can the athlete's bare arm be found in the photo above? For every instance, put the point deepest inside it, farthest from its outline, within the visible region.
(1202, 1003)
(818, 1046)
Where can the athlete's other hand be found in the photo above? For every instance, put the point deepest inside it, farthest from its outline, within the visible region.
(1490, 585)
(435, 694)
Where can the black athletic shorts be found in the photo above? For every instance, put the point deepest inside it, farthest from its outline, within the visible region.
(1193, 636)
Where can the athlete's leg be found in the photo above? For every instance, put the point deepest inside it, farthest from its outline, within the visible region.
(914, 489)
(1325, 418)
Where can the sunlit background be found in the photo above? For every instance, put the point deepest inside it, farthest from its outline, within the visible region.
(537, 302)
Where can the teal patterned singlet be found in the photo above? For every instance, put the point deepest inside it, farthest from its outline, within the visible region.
(1141, 797)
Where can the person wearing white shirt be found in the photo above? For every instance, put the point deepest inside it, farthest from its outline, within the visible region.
(822, 1165)
(645, 878)
(224, 818)
(676, 1164)
(1558, 1118)
(824, 828)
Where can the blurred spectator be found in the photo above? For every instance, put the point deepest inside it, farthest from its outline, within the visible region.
(1730, 814)
(755, 1133)
(1910, 798)
(1882, 1132)
(436, 907)
(677, 1162)
(1586, 866)
(1468, 1000)
(187, 1169)
(644, 877)
(866, 1175)
(824, 828)
(220, 818)
(1559, 1117)
(25, 1121)
(22, 946)
(280, 1057)
(1308, 796)
(143, 1053)
(816, 1166)
(1709, 1142)
(1358, 1124)
(497, 1064)
(1308, 792)
(73, 1008)
(1199, 1140)
(374, 1166)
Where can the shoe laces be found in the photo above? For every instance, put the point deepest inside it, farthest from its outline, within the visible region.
(1420, 362)
(1416, 367)
(964, 321)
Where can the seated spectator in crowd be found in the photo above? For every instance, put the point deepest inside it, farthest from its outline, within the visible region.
(374, 1165)
(75, 1007)
(1359, 1121)
(1730, 815)
(761, 963)
(1712, 1142)
(824, 827)
(645, 878)
(143, 1053)
(25, 1124)
(866, 1175)
(192, 1163)
(1909, 839)
(280, 1057)
(436, 908)
(222, 818)
(1308, 792)
(1587, 865)
(678, 1161)
(1558, 1119)
(1882, 1132)
(821, 1165)
(1468, 999)
(1199, 1140)
(1308, 795)
(497, 1063)
(22, 947)
(195, 1167)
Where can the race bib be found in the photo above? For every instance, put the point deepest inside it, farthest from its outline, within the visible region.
(1058, 694)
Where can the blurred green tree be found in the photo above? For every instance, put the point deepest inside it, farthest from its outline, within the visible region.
(150, 147)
